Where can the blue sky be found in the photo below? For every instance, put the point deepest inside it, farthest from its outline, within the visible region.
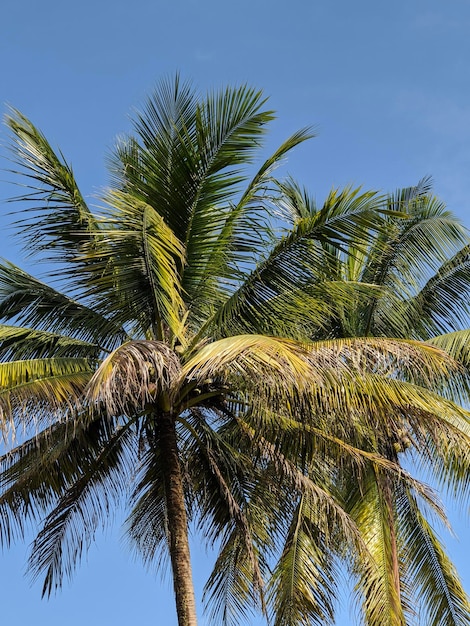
(385, 85)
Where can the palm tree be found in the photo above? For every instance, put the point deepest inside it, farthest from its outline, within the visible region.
(122, 368)
(411, 281)
(162, 359)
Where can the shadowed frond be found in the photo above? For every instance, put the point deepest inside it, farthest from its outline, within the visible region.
(229, 590)
(147, 523)
(442, 303)
(35, 473)
(28, 301)
(70, 527)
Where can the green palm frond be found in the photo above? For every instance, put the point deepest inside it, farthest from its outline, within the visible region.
(296, 202)
(147, 522)
(186, 144)
(156, 166)
(302, 588)
(393, 406)
(250, 354)
(140, 259)
(229, 128)
(268, 513)
(190, 159)
(410, 250)
(399, 201)
(456, 343)
(70, 527)
(443, 447)
(33, 390)
(219, 472)
(442, 600)
(423, 240)
(234, 585)
(232, 238)
(288, 267)
(30, 302)
(18, 343)
(379, 586)
(442, 303)
(22, 478)
(60, 222)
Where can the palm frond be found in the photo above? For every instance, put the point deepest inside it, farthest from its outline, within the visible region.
(28, 301)
(442, 303)
(399, 201)
(231, 237)
(342, 376)
(70, 527)
(302, 587)
(288, 267)
(229, 589)
(60, 222)
(222, 476)
(379, 586)
(296, 202)
(410, 249)
(36, 389)
(456, 344)
(147, 523)
(18, 343)
(442, 600)
(156, 166)
(140, 259)
(35, 473)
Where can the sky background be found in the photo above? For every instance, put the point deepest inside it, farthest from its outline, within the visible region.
(386, 86)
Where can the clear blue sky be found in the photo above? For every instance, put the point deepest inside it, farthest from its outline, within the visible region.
(385, 84)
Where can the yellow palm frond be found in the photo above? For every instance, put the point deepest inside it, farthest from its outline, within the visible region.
(34, 388)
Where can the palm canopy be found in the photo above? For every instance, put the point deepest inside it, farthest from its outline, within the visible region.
(167, 359)
(411, 281)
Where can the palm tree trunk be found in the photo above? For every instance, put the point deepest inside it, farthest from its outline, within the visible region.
(177, 524)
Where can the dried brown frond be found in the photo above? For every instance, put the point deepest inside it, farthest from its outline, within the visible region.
(133, 376)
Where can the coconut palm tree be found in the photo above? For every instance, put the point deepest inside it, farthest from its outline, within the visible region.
(122, 366)
(162, 359)
(412, 281)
